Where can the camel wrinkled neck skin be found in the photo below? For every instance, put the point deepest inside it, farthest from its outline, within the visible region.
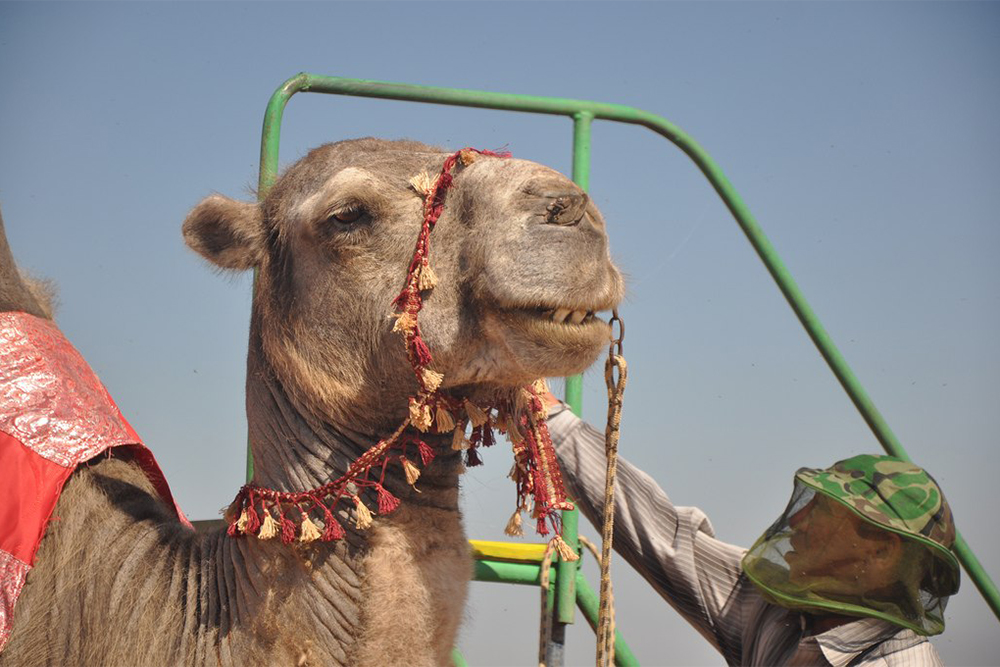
(296, 449)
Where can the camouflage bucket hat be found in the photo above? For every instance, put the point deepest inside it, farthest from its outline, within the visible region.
(900, 497)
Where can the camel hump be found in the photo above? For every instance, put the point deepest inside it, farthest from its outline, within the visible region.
(17, 292)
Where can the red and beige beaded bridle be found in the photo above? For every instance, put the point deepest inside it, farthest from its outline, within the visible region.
(520, 415)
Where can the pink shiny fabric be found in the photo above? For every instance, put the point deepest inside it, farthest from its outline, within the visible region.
(54, 415)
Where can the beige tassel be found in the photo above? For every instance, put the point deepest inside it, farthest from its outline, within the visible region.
(565, 552)
(432, 380)
(363, 518)
(521, 401)
(422, 183)
(445, 423)
(476, 414)
(420, 415)
(514, 432)
(428, 279)
(458, 441)
(404, 323)
(241, 523)
(540, 386)
(514, 525)
(467, 157)
(269, 528)
(412, 471)
(309, 532)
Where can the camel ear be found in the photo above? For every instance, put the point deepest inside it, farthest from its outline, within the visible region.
(226, 232)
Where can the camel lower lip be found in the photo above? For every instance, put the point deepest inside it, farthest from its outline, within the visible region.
(559, 317)
(541, 322)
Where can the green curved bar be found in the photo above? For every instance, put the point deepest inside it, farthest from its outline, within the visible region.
(528, 574)
(623, 114)
(589, 604)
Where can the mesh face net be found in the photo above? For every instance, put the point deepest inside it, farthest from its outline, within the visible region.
(822, 556)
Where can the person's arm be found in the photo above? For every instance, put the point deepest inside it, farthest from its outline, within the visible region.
(673, 548)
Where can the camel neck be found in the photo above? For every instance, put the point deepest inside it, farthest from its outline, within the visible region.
(291, 450)
(295, 450)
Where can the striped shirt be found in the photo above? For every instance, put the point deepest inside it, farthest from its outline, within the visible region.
(675, 550)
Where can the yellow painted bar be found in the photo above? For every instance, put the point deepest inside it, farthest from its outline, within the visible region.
(509, 551)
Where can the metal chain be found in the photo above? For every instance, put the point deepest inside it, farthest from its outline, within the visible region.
(616, 391)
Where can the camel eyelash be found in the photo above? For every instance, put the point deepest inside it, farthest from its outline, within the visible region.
(346, 215)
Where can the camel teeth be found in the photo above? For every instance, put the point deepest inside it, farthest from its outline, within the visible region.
(560, 315)
(577, 316)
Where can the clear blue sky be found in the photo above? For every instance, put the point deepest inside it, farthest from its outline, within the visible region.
(863, 137)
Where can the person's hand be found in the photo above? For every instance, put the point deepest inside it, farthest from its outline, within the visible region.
(549, 400)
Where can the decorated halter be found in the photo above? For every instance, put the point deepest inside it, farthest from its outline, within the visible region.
(520, 414)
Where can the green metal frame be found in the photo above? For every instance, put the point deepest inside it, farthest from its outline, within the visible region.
(570, 586)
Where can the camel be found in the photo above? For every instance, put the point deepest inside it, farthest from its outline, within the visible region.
(522, 265)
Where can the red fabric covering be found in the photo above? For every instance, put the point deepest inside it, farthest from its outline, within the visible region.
(54, 415)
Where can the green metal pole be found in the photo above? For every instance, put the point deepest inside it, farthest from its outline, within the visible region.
(528, 574)
(589, 604)
(565, 593)
(581, 176)
(457, 659)
(623, 114)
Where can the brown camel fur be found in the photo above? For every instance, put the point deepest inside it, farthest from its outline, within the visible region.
(522, 259)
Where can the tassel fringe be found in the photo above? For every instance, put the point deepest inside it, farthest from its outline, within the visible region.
(432, 380)
(514, 525)
(428, 279)
(405, 323)
(420, 414)
(412, 471)
(422, 183)
(269, 528)
(444, 421)
(476, 414)
(458, 441)
(565, 552)
(363, 516)
(309, 532)
(386, 501)
(426, 453)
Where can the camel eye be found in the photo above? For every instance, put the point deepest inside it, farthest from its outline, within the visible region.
(347, 216)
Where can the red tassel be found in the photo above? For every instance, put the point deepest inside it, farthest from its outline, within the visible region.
(426, 453)
(253, 519)
(332, 530)
(421, 351)
(404, 298)
(542, 528)
(287, 530)
(488, 438)
(472, 458)
(386, 501)
(233, 531)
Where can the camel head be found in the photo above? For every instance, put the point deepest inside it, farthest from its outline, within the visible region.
(520, 254)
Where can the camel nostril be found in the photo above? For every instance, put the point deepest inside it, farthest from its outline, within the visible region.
(567, 209)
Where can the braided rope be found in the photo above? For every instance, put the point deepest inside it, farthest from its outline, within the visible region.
(545, 625)
(616, 391)
(592, 548)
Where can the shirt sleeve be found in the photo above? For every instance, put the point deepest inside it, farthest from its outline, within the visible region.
(673, 548)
